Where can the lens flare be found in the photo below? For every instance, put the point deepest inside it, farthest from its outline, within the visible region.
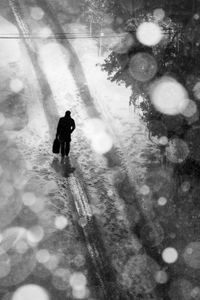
(196, 90)
(30, 292)
(35, 234)
(42, 256)
(162, 201)
(61, 222)
(102, 143)
(28, 199)
(16, 85)
(190, 110)
(170, 255)
(161, 277)
(177, 150)
(191, 255)
(159, 14)
(37, 13)
(93, 126)
(45, 32)
(78, 280)
(149, 33)
(143, 67)
(169, 96)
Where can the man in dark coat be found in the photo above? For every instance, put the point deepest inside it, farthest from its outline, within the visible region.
(66, 126)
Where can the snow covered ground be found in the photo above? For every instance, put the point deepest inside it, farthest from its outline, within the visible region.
(40, 218)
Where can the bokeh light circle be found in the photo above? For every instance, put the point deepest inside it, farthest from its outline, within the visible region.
(143, 66)
(177, 151)
(37, 13)
(170, 255)
(30, 292)
(61, 222)
(162, 201)
(169, 96)
(78, 280)
(149, 33)
(191, 255)
(196, 90)
(161, 277)
(102, 143)
(16, 85)
(190, 109)
(159, 14)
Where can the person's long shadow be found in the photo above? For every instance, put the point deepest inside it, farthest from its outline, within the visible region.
(64, 167)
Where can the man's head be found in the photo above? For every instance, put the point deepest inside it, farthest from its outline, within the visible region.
(67, 113)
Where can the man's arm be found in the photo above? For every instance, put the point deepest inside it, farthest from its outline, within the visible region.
(58, 129)
(73, 126)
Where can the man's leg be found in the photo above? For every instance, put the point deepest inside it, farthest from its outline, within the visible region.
(67, 148)
(62, 145)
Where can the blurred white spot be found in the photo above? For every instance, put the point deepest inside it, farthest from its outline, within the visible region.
(38, 206)
(144, 190)
(80, 293)
(64, 273)
(143, 66)
(5, 265)
(42, 256)
(28, 199)
(110, 193)
(149, 33)
(21, 246)
(34, 235)
(177, 150)
(162, 201)
(16, 85)
(53, 58)
(82, 221)
(159, 14)
(30, 292)
(161, 277)
(52, 263)
(189, 251)
(2, 119)
(78, 281)
(51, 187)
(196, 17)
(169, 96)
(37, 13)
(191, 255)
(60, 279)
(190, 109)
(79, 260)
(102, 143)
(195, 293)
(11, 236)
(92, 127)
(61, 222)
(163, 140)
(45, 32)
(196, 90)
(170, 255)
(185, 186)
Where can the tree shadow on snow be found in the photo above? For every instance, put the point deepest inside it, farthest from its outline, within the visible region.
(63, 167)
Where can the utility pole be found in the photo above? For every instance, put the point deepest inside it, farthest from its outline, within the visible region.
(100, 41)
